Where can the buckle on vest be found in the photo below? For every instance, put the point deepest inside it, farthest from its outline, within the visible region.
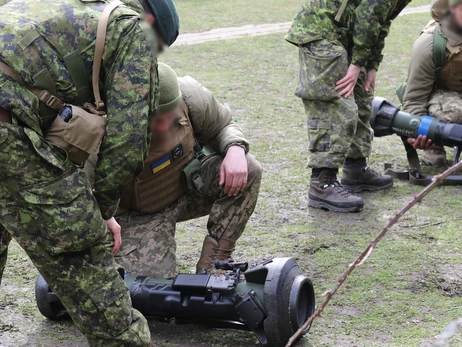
(199, 183)
(51, 101)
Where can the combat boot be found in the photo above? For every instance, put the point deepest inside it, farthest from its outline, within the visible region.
(357, 176)
(435, 156)
(327, 193)
(213, 249)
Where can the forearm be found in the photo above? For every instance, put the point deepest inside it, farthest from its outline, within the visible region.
(376, 53)
(370, 25)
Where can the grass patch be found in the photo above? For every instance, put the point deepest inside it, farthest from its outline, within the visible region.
(402, 296)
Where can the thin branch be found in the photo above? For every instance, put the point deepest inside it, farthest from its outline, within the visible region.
(365, 254)
(448, 333)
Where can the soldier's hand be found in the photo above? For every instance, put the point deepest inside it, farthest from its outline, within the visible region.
(370, 80)
(347, 84)
(421, 142)
(115, 229)
(234, 171)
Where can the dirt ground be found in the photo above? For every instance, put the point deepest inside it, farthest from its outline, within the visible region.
(409, 289)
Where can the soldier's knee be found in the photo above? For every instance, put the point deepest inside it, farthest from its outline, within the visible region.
(255, 169)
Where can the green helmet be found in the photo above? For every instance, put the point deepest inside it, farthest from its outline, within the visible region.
(169, 89)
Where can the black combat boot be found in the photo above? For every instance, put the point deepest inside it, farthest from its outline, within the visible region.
(357, 176)
(327, 193)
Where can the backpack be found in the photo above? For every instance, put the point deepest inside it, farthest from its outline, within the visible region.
(438, 56)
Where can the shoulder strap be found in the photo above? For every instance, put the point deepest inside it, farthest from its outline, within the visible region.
(439, 50)
(99, 48)
(43, 95)
(339, 14)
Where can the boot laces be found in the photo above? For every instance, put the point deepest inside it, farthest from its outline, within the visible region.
(330, 181)
(220, 253)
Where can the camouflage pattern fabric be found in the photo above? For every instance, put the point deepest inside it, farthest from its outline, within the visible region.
(46, 202)
(362, 27)
(446, 105)
(129, 82)
(149, 246)
(51, 212)
(337, 127)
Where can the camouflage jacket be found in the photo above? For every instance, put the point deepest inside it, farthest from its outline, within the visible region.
(362, 28)
(50, 44)
(212, 122)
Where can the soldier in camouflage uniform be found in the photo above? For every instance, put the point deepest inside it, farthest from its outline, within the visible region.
(227, 183)
(438, 94)
(47, 203)
(340, 51)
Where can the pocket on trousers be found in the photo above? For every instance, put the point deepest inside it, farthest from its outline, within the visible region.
(114, 308)
(319, 135)
(60, 191)
(322, 64)
(64, 213)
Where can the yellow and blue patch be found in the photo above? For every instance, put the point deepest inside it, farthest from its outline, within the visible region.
(160, 164)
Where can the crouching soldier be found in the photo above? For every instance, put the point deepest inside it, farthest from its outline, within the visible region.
(434, 83)
(182, 180)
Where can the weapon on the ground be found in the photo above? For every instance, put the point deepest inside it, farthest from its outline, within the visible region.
(387, 119)
(272, 299)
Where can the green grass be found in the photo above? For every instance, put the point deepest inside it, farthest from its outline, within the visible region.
(399, 297)
(202, 15)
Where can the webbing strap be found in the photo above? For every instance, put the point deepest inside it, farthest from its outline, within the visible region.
(10, 72)
(43, 95)
(99, 48)
(439, 50)
(414, 174)
(342, 8)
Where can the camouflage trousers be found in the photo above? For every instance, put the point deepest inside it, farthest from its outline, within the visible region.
(48, 206)
(446, 105)
(337, 127)
(148, 240)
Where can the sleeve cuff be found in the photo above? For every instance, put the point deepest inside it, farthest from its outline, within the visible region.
(244, 146)
(107, 212)
(360, 57)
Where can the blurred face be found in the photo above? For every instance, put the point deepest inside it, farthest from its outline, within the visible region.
(151, 20)
(164, 124)
(456, 15)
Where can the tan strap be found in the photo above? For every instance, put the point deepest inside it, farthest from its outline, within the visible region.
(43, 95)
(99, 48)
(10, 72)
(338, 16)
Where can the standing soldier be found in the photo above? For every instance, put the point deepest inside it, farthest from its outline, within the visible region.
(50, 99)
(434, 82)
(182, 180)
(341, 46)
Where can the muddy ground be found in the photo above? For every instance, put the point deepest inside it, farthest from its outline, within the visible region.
(409, 289)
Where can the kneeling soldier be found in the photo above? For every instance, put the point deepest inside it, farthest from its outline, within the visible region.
(183, 180)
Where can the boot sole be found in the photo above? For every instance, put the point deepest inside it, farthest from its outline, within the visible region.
(366, 187)
(328, 207)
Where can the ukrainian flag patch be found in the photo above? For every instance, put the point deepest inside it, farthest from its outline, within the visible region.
(160, 164)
